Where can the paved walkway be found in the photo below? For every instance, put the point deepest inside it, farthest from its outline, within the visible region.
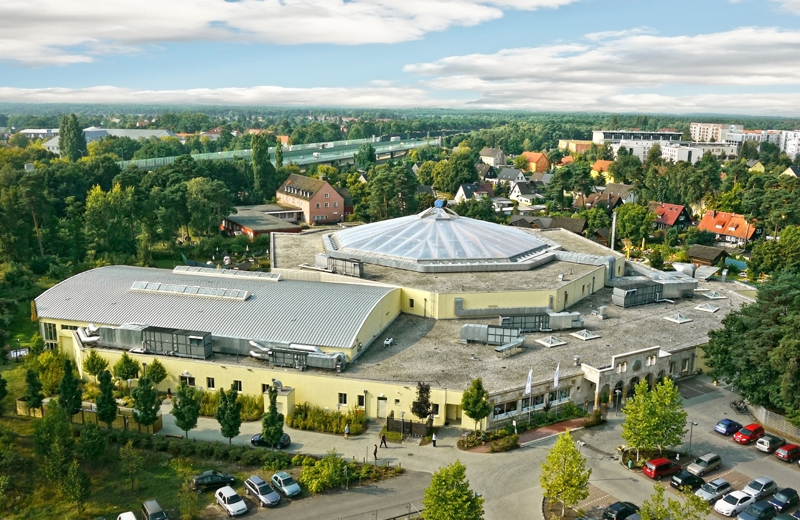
(538, 434)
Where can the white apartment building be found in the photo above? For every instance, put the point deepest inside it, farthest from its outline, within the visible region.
(671, 151)
(790, 143)
(705, 132)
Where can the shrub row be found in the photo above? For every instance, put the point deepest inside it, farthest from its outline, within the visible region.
(252, 406)
(314, 418)
(505, 444)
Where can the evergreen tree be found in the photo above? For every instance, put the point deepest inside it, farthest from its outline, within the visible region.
(94, 364)
(106, 404)
(126, 368)
(156, 372)
(279, 154)
(422, 406)
(54, 428)
(92, 442)
(475, 402)
(264, 174)
(564, 475)
(33, 391)
(365, 158)
(146, 402)
(272, 422)
(186, 408)
(76, 486)
(228, 413)
(71, 139)
(69, 394)
(449, 496)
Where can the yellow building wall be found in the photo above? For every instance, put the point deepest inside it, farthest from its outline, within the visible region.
(425, 303)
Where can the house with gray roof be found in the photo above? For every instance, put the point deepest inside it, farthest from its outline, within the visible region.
(493, 156)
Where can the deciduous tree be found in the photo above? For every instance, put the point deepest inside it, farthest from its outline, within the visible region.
(228, 413)
(92, 442)
(131, 461)
(691, 508)
(76, 486)
(449, 496)
(3, 393)
(365, 158)
(634, 222)
(126, 368)
(146, 404)
(94, 363)
(156, 372)
(656, 418)
(475, 402)
(564, 475)
(186, 408)
(272, 422)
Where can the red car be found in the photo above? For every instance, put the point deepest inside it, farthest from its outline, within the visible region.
(788, 452)
(662, 467)
(748, 434)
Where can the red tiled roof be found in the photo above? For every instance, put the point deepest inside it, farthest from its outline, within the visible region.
(728, 224)
(533, 156)
(601, 166)
(667, 213)
(566, 160)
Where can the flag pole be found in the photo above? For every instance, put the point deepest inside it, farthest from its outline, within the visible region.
(530, 397)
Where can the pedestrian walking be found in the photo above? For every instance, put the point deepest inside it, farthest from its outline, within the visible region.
(346, 431)
(433, 438)
(383, 441)
(375, 453)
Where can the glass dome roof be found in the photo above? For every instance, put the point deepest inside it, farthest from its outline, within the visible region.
(437, 236)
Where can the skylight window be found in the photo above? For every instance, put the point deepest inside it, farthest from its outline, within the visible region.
(191, 290)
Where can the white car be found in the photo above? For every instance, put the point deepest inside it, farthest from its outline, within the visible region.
(733, 503)
(230, 501)
(127, 516)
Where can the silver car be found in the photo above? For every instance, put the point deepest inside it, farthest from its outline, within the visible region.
(762, 487)
(714, 490)
(256, 487)
(704, 464)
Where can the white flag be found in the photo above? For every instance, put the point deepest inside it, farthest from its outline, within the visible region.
(555, 377)
(528, 384)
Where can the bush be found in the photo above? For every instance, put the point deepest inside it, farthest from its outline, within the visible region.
(251, 457)
(470, 441)
(507, 443)
(326, 473)
(276, 461)
(596, 418)
(252, 407)
(392, 436)
(314, 418)
(298, 459)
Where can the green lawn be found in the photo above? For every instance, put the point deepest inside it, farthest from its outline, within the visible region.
(22, 328)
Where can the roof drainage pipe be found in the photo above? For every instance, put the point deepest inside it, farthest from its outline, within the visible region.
(461, 312)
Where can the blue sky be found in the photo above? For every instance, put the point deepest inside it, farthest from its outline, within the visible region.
(722, 56)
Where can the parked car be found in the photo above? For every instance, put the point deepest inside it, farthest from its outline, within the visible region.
(211, 480)
(127, 516)
(727, 427)
(230, 501)
(748, 434)
(762, 510)
(704, 464)
(796, 515)
(684, 479)
(784, 499)
(257, 487)
(658, 468)
(761, 487)
(733, 503)
(620, 511)
(769, 443)
(151, 510)
(286, 484)
(788, 452)
(786, 516)
(714, 490)
(258, 440)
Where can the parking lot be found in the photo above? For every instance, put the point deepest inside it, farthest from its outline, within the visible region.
(705, 404)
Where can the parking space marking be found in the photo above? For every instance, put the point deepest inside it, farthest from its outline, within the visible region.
(594, 505)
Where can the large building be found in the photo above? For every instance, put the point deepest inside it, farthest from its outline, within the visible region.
(614, 136)
(705, 132)
(355, 317)
(93, 134)
(319, 201)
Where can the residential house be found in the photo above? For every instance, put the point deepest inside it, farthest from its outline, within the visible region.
(503, 205)
(415, 168)
(755, 166)
(321, 204)
(623, 191)
(602, 236)
(348, 201)
(609, 201)
(537, 161)
(565, 161)
(670, 216)
(794, 171)
(600, 167)
(575, 225)
(524, 193)
(284, 139)
(493, 156)
(574, 145)
(485, 172)
(728, 227)
(509, 175)
(540, 180)
(39, 133)
(706, 255)
(470, 191)
(254, 221)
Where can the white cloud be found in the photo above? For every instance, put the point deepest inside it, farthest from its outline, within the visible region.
(54, 32)
(793, 6)
(398, 97)
(633, 71)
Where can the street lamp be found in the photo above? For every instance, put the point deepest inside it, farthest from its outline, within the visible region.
(692, 424)
(617, 392)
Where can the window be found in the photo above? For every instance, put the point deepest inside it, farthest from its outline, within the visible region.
(342, 398)
(69, 327)
(335, 204)
(411, 303)
(563, 394)
(504, 408)
(327, 204)
(318, 204)
(264, 388)
(671, 367)
(238, 385)
(360, 400)
(189, 381)
(397, 402)
(210, 383)
(50, 336)
(435, 409)
(327, 195)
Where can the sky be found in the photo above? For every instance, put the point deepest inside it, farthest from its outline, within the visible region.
(642, 56)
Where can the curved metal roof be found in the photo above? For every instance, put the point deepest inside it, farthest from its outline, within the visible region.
(437, 236)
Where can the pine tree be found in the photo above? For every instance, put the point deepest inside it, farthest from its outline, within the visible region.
(33, 391)
(94, 364)
(229, 413)
(71, 139)
(106, 404)
(264, 175)
(76, 486)
(449, 496)
(186, 408)
(69, 394)
(564, 475)
(146, 402)
(278, 154)
(475, 402)
(272, 422)
(422, 406)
